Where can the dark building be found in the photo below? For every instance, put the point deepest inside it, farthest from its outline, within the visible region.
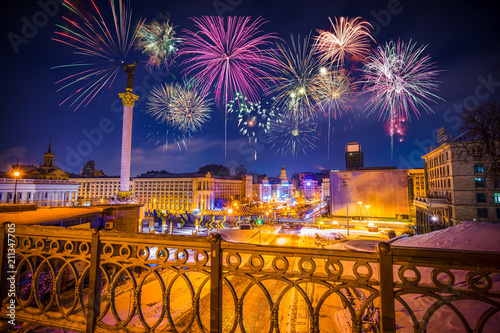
(89, 170)
(353, 156)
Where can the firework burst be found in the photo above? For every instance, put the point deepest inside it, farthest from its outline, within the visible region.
(334, 90)
(158, 105)
(181, 106)
(350, 37)
(189, 109)
(229, 55)
(400, 79)
(103, 47)
(296, 70)
(158, 41)
(291, 135)
(252, 117)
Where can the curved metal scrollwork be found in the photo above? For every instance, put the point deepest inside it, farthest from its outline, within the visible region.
(163, 284)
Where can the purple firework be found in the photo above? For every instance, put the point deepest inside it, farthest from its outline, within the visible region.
(401, 79)
(230, 55)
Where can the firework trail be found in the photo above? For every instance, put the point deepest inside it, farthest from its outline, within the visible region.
(350, 37)
(102, 48)
(165, 137)
(400, 79)
(158, 41)
(181, 106)
(333, 90)
(230, 56)
(296, 69)
(292, 135)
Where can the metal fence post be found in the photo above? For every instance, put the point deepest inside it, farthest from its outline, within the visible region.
(95, 281)
(215, 284)
(386, 278)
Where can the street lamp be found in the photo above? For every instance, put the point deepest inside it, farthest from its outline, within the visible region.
(360, 203)
(16, 175)
(347, 205)
(367, 207)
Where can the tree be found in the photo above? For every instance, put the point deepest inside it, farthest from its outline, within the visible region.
(480, 136)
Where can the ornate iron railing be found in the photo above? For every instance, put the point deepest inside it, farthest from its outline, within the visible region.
(161, 283)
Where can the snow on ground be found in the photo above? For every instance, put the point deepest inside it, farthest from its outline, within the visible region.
(474, 236)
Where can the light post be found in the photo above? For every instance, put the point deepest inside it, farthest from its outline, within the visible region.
(16, 174)
(360, 203)
(347, 205)
(367, 207)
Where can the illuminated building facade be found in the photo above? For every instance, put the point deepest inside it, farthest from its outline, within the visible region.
(382, 192)
(457, 189)
(172, 192)
(46, 185)
(43, 192)
(325, 189)
(416, 187)
(277, 189)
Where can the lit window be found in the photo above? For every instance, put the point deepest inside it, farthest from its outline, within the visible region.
(479, 182)
(497, 198)
(478, 167)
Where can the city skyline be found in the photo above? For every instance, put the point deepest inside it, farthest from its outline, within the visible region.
(468, 75)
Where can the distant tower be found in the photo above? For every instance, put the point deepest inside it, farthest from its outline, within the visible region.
(48, 157)
(353, 156)
(283, 174)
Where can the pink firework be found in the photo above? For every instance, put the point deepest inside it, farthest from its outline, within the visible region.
(401, 79)
(229, 55)
(350, 36)
(396, 126)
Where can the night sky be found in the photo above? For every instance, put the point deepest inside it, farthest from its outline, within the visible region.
(462, 39)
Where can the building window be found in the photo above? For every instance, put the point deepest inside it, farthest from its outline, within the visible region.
(498, 213)
(482, 213)
(479, 182)
(478, 167)
(480, 197)
(497, 198)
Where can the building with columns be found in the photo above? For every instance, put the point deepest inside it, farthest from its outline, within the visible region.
(172, 192)
(46, 185)
(43, 192)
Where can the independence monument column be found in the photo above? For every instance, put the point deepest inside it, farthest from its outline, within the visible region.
(128, 99)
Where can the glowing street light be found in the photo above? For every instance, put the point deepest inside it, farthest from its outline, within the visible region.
(360, 203)
(16, 175)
